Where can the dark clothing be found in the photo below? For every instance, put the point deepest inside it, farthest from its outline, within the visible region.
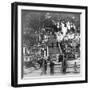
(60, 58)
(45, 65)
(64, 66)
(51, 67)
(40, 62)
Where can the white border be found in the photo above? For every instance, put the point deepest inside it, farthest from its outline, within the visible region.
(54, 79)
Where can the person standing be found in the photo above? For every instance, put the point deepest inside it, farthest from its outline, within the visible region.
(75, 67)
(64, 66)
(43, 67)
(51, 67)
(60, 59)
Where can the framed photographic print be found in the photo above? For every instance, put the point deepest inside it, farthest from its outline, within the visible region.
(49, 44)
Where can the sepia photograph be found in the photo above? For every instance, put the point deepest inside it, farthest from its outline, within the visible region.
(49, 44)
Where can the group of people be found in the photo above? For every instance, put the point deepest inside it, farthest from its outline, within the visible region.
(49, 64)
(44, 66)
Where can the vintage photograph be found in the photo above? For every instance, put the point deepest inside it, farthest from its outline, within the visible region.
(50, 43)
